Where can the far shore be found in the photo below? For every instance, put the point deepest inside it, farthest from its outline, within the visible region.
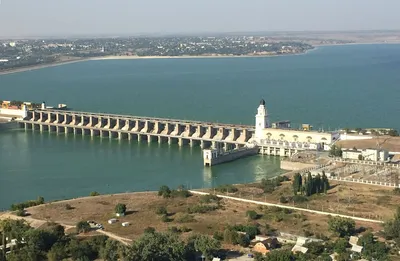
(133, 57)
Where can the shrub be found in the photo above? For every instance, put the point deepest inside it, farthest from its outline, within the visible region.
(250, 230)
(166, 219)
(299, 199)
(283, 200)
(209, 199)
(252, 214)
(174, 229)
(161, 211)
(218, 236)
(227, 189)
(201, 209)
(27, 204)
(341, 226)
(149, 230)
(185, 218)
(82, 227)
(180, 193)
(164, 191)
(243, 240)
(120, 208)
(94, 193)
(68, 207)
(20, 212)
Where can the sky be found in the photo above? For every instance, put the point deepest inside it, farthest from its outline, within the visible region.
(132, 17)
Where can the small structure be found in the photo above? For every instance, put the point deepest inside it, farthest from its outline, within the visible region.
(353, 240)
(356, 248)
(298, 248)
(265, 246)
(376, 155)
(112, 221)
(125, 224)
(120, 214)
(281, 125)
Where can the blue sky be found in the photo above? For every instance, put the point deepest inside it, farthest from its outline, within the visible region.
(95, 17)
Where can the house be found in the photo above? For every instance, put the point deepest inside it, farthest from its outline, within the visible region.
(353, 240)
(356, 248)
(301, 249)
(265, 246)
(112, 221)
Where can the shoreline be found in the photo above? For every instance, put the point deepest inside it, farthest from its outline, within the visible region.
(125, 57)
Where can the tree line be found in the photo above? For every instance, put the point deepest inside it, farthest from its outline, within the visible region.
(308, 185)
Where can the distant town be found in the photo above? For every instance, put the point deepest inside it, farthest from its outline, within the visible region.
(24, 53)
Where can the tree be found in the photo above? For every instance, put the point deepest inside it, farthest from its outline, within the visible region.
(110, 251)
(80, 250)
(57, 252)
(158, 246)
(82, 227)
(335, 151)
(341, 245)
(325, 183)
(297, 183)
(120, 208)
(94, 193)
(392, 227)
(393, 133)
(164, 191)
(372, 249)
(206, 245)
(278, 255)
(161, 211)
(315, 248)
(342, 226)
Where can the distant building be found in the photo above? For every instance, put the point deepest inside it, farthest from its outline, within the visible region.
(375, 155)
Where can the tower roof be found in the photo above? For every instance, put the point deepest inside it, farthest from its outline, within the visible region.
(262, 102)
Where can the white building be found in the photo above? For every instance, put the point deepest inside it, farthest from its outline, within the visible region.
(284, 137)
(366, 154)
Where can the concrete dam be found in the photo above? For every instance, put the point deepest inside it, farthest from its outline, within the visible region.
(183, 132)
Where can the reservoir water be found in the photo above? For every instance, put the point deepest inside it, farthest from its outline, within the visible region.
(329, 87)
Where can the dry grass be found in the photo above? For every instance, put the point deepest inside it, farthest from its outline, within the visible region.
(387, 143)
(142, 207)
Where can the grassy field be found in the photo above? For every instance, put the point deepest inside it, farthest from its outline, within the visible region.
(142, 208)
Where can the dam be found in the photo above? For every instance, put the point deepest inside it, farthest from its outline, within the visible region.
(220, 142)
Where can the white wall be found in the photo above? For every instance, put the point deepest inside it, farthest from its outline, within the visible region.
(346, 136)
(13, 113)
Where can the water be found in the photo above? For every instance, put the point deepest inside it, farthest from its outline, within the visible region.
(330, 87)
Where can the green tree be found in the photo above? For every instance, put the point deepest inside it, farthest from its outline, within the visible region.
(341, 245)
(161, 211)
(335, 151)
(94, 193)
(158, 246)
(82, 227)
(80, 250)
(120, 208)
(315, 248)
(325, 183)
(297, 183)
(252, 214)
(110, 251)
(372, 249)
(341, 226)
(57, 252)
(393, 133)
(40, 240)
(206, 245)
(278, 255)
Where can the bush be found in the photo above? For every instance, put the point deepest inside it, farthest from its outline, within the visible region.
(252, 214)
(283, 200)
(82, 227)
(94, 193)
(20, 212)
(185, 218)
(164, 191)
(201, 209)
(342, 226)
(161, 211)
(299, 199)
(27, 204)
(180, 193)
(206, 199)
(250, 230)
(218, 236)
(227, 189)
(149, 230)
(120, 208)
(166, 219)
(68, 207)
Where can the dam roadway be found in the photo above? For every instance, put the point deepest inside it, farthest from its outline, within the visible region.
(203, 134)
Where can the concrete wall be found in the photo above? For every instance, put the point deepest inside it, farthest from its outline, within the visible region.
(298, 136)
(290, 165)
(354, 137)
(232, 155)
(13, 113)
